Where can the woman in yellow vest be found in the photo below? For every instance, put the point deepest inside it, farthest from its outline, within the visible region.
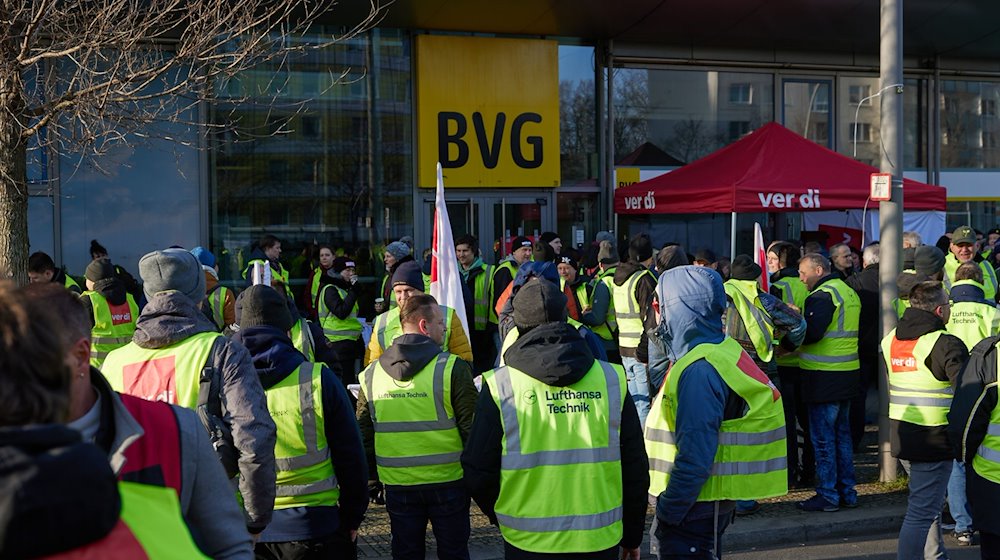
(337, 313)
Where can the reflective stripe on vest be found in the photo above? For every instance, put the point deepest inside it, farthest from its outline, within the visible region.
(302, 339)
(986, 461)
(512, 269)
(416, 438)
(951, 265)
(314, 287)
(305, 475)
(217, 304)
(387, 327)
(838, 349)
(757, 323)
(750, 462)
(170, 374)
(481, 289)
(559, 441)
(335, 328)
(793, 292)
(915, 395)
(113, 328)
(608, 278)
(627, 312)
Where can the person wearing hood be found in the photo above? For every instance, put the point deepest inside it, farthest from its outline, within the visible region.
(408, 280)
(147, 442)
(415, 411)
(337, 308)
(41, 268)
(322, 450)
(176, 356)
(557, 401)
(326, 258)
(112, 310)
(503, 276)
(60, 495)
(477, 277)
(962, 250)
(669, 257)
(923, 362)
(266, 251)
(396, 253)
(865, 283)
(828, 359)
(714, 392)
(634, 286)
(220, 301)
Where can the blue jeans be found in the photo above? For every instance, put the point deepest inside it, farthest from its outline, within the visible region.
(958, 503)
(830, 431)
(638, 385)
(920, 536)
(448, 511)
(701, 538)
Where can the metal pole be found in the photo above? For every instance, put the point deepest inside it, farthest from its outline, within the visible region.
(610, 91)
(891, 212)
(732, 238)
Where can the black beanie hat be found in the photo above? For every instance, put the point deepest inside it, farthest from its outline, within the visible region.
(99, 269)
(640, 248)
(410, 274)
(263, 305)
(928, 259)
(341, 264)
(538, 302)
(565, 259)
(548, 237)
(743, 268)
(520, 241)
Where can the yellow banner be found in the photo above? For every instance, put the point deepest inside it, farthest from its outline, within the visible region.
(625, 176)
(488, 110)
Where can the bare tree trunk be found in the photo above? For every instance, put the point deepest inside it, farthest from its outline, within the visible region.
(13, 189)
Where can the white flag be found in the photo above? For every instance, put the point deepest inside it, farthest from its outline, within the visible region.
(446, 281)
(760, 256)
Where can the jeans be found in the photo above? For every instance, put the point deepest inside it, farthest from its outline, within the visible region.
(958, 502)
(803, 469)
(698, 539)
(830, 429)
(448, 511)
(638, 385)
(920, 536)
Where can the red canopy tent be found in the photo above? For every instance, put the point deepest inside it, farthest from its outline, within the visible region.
(770, 170)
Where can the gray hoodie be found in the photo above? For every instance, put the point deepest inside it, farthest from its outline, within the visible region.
(171, 317)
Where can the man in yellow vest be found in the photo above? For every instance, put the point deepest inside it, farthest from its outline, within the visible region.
(322, 478)
(503, 276)
(176, 356)
(41, 268)
(408, 281)
(113, 312)
(478, 279)
(923, 362)
(964, 249)
(415, 410)
(632, 294)
(828, 359)
(555, 457)
(716, 432)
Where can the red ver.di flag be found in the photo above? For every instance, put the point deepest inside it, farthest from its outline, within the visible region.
(446, 281)
(760, 256)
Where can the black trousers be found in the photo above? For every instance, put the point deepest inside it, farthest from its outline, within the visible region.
(869, 375)
(337, 546)
(804, 468)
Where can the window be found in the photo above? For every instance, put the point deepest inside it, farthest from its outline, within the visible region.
(821, 100)
(858, 95)
(860, 132)
(738, 129)
(741, 94)
(820, 132)
(950, 105)
(988, 107)
(989, 139)
(311, 127)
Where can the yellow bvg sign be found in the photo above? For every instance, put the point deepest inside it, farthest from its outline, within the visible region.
(488, 110)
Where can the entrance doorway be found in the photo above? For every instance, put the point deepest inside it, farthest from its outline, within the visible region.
(495, 219)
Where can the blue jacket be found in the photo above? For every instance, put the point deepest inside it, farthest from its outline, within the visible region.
(968, 293)
(692, 302)
(275, 358)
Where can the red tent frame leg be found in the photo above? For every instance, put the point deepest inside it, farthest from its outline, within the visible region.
(732, 239)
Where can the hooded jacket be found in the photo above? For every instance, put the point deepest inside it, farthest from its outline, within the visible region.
(171, 317)
(927, 443)
(112, 289)
(405, 358)
(56, 493)
(644, 290)
(691, 311)
(275, 358)
(555, 354)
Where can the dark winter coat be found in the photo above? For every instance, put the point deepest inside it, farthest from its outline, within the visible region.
(645, 288)
(821, 386)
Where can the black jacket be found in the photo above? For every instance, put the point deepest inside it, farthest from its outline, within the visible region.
(914, 442)
(554, 354)
(112, 289)
(56, 493)
(823, 386)
(341, 307)
(865, 283)
(975, 399)
(645, 290)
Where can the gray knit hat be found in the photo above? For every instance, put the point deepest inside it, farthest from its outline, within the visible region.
(398, 249)
(172, 269)
(263, 305)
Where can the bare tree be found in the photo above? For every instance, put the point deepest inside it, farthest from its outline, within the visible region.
(87, 76)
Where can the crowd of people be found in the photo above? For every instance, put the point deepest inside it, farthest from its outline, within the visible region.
(181, 418)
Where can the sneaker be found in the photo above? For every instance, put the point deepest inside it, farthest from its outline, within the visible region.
(964, 538)
(817, 503)
(747, 508)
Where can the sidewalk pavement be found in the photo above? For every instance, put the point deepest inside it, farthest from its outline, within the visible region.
(880, 511)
